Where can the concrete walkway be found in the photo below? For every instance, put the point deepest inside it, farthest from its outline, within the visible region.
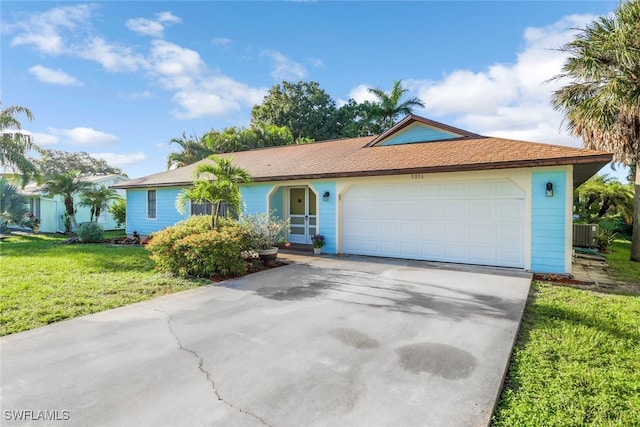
(322, 342)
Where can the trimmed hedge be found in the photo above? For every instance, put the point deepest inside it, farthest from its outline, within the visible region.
(191, 249)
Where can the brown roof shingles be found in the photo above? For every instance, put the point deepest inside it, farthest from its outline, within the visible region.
(351, 157)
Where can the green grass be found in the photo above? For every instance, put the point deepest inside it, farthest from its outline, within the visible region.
(44, 282)
(620, 268)
(576, 361)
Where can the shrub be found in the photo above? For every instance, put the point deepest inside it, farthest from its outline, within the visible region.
(118, 210)
(90, 232)
(212, 253)
(264, 230)
(191, 248)
(606, 239)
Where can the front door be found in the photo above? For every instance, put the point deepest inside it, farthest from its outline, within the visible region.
(302, 214)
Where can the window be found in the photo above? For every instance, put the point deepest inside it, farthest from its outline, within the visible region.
(151, 204)
(205, 208)
(103, 213)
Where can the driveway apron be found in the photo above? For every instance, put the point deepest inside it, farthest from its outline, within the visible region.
(322, 342)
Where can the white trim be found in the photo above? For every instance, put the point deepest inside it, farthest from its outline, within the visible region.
(568, 229)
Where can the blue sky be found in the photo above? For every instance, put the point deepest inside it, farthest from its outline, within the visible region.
(119, 79)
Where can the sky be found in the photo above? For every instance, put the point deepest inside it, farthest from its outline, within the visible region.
(120, 79)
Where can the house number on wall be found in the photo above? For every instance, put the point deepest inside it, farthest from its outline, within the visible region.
(417, 176)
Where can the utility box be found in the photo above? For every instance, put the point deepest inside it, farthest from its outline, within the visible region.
(585, 235)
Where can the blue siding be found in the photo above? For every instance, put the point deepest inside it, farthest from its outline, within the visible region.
(548, 222)
(254, 198)
(327, 214)
(167, 214)
(418, 133)
(276, 203)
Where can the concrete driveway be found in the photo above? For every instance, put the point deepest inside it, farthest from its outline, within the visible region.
(327, 342)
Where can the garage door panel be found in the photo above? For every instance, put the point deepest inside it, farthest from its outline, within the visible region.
(477, 222)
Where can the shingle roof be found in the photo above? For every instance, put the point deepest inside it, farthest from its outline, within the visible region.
(352, 157)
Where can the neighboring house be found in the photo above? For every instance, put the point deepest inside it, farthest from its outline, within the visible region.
(421, 190)
(50, 210)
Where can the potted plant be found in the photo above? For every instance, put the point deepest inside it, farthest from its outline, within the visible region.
(317, 242)
(263, 232)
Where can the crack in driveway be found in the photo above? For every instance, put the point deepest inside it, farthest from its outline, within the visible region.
(204, 371)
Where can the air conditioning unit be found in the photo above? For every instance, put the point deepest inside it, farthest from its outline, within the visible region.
(585, 235)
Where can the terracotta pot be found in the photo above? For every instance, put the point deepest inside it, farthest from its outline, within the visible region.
(268, 256)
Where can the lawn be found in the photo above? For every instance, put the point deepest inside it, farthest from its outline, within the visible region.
(620, 268)
(575, 362)
(44, 281)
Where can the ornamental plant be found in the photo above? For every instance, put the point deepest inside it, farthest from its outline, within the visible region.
(264, 230)
(318, 241)
(192, 249)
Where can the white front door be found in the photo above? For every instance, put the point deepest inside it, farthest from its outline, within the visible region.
(302, 214)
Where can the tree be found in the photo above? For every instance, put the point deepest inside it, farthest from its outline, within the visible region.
(15, 147)
(118, 210)
(389, 105)
(217, 182)
(601, 101)
(12, 206)
(97, 197)
(67, 185)
(55, 162)
(192, 150)
(603, 196)
(306, 109)
(358, 119)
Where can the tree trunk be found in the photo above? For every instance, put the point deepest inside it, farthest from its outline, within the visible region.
(635, 236)
(68, 205)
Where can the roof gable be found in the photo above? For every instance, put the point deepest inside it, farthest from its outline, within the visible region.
(414, 129)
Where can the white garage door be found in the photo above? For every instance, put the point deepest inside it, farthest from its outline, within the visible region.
(471, 222)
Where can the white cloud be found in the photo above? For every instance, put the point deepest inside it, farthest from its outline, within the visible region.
(283, 67)
(85, 136)
(222, 43)
(507, 100)
(47, 31)
(145, 27)
(216, 96)
(122, 160)
(49, 75)
(316, 62)
(112, 57)
(174, 62)
(148, 27)
(361, 93)
(44, 139)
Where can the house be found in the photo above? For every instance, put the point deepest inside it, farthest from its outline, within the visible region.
(50, 210)
(422, 190)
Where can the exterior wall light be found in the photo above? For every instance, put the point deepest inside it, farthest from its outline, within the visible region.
(549, 192)
(325, 196)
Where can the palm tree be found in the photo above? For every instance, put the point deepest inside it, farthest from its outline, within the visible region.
(192, 150)
(67, 185)
(96, 198)
(601, 102)
(16, 145)
(389, 105)
(217, 182)
(13, 208)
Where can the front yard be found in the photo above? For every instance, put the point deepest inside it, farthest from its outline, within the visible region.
(575, 361)
(43, 281)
